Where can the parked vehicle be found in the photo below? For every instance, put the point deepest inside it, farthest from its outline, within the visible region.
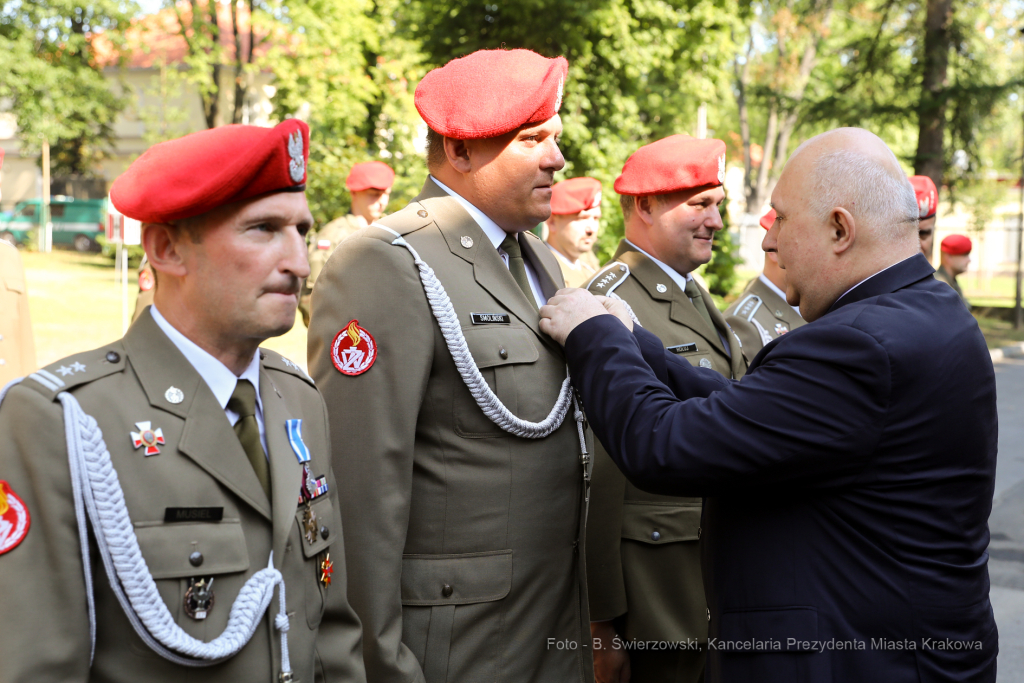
(76, 222)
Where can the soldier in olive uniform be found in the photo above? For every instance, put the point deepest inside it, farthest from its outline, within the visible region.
(573, 227)
(163, 483)
(643, 560)
(955, 257)
(463, 539)
(370, 185)
(761, 313)
(17, 345)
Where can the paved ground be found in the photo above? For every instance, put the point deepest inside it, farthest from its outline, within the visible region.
(1006, 554)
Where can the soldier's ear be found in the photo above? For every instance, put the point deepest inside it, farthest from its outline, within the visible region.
(458, 155)
(163, 244)
(643, 206)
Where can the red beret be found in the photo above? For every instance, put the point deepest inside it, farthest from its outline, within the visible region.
(370, 174)
(575, 195)
(927, 195)
(199, 172)
(671, 164)
(491, 92)
(768, 220)
(957, 245)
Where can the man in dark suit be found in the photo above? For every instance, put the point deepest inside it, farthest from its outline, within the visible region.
(846, 510)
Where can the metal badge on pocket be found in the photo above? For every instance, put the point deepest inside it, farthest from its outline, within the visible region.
(199, 598)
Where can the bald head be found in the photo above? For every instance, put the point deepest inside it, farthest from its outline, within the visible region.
(846, 211)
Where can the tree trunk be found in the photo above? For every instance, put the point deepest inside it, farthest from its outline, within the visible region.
(931, 110)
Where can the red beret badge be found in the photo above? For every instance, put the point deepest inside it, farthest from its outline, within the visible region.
(353, 350)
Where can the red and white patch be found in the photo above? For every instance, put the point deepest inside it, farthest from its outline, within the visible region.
(146, 280)
(353, 350)
(14, 518)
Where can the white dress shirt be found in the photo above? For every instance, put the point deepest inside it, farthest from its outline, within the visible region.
(218, 377)
(496, 235)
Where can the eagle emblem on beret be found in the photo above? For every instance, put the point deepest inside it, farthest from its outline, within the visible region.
(925, 205)
(296, 163)
(721, 169)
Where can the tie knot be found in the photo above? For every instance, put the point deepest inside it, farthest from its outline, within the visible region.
(243, 399)
(691, 289)
(510, 245)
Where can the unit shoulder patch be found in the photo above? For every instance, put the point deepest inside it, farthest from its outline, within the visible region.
(608, 278)
(14, 518)
(354, 350)
(76, 370)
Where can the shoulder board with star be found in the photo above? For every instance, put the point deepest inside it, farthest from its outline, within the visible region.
(272, 360)
(76, 370)
(748, 307)
(410, 219)
(608, 278)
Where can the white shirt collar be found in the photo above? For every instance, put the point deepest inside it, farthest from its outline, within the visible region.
(771, 285)
(217, 376)
(676, 276)
(494, 233)
(868, 278)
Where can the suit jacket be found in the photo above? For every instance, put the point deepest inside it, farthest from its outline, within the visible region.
(17, 345)
(643, 557)
(845, 505)
(200, 469)
(760, 315)
(463, 541)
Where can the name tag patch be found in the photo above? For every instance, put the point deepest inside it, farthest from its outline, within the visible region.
(491, 318)
(683, 348)
(193, 514)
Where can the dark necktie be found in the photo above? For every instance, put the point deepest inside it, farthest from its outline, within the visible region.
(243, 402)
(517, 266)
(693, 291)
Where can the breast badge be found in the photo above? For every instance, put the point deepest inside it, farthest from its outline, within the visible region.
(14, 518)
(780, 329)
(151, 438)
(199, 598)
(353, 350)
(326, 570)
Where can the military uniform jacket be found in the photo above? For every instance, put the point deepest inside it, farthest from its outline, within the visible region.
(643, 558)
(326, 240)
(200, 472)
(463, 542)
(760, 315)
(943, 275)
(17, 346)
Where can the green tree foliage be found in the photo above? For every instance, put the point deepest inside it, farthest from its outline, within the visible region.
(52, 80)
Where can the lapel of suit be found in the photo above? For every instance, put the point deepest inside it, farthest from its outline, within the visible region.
(285, 470)
(207, 438)
(489, 269)
(682, 311)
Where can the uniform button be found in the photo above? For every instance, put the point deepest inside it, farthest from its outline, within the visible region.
(421, 213)
(113, 357)
(324, 532)
(447, 591)
(709, 614)
(195, 559)
(502, 352)
(698, 533)
(655, 536)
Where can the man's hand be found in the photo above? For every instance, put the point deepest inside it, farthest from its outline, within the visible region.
(567, 309)
(617, 307)
(611, 664)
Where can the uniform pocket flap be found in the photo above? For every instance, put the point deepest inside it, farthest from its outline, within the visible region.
(500, 345)
(14, 284)
(456, 579)
(660, 523)
(323, 511)
(168, 548)
(794, 628)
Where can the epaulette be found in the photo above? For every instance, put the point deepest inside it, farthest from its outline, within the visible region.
(272, 360)
(748, 307)
(409, 219)
(76, 370)
(608, 278)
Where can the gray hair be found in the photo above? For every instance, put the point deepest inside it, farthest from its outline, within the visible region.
(867, 189)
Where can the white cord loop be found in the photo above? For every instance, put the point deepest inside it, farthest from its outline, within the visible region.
(98, 495)
(489, 403)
